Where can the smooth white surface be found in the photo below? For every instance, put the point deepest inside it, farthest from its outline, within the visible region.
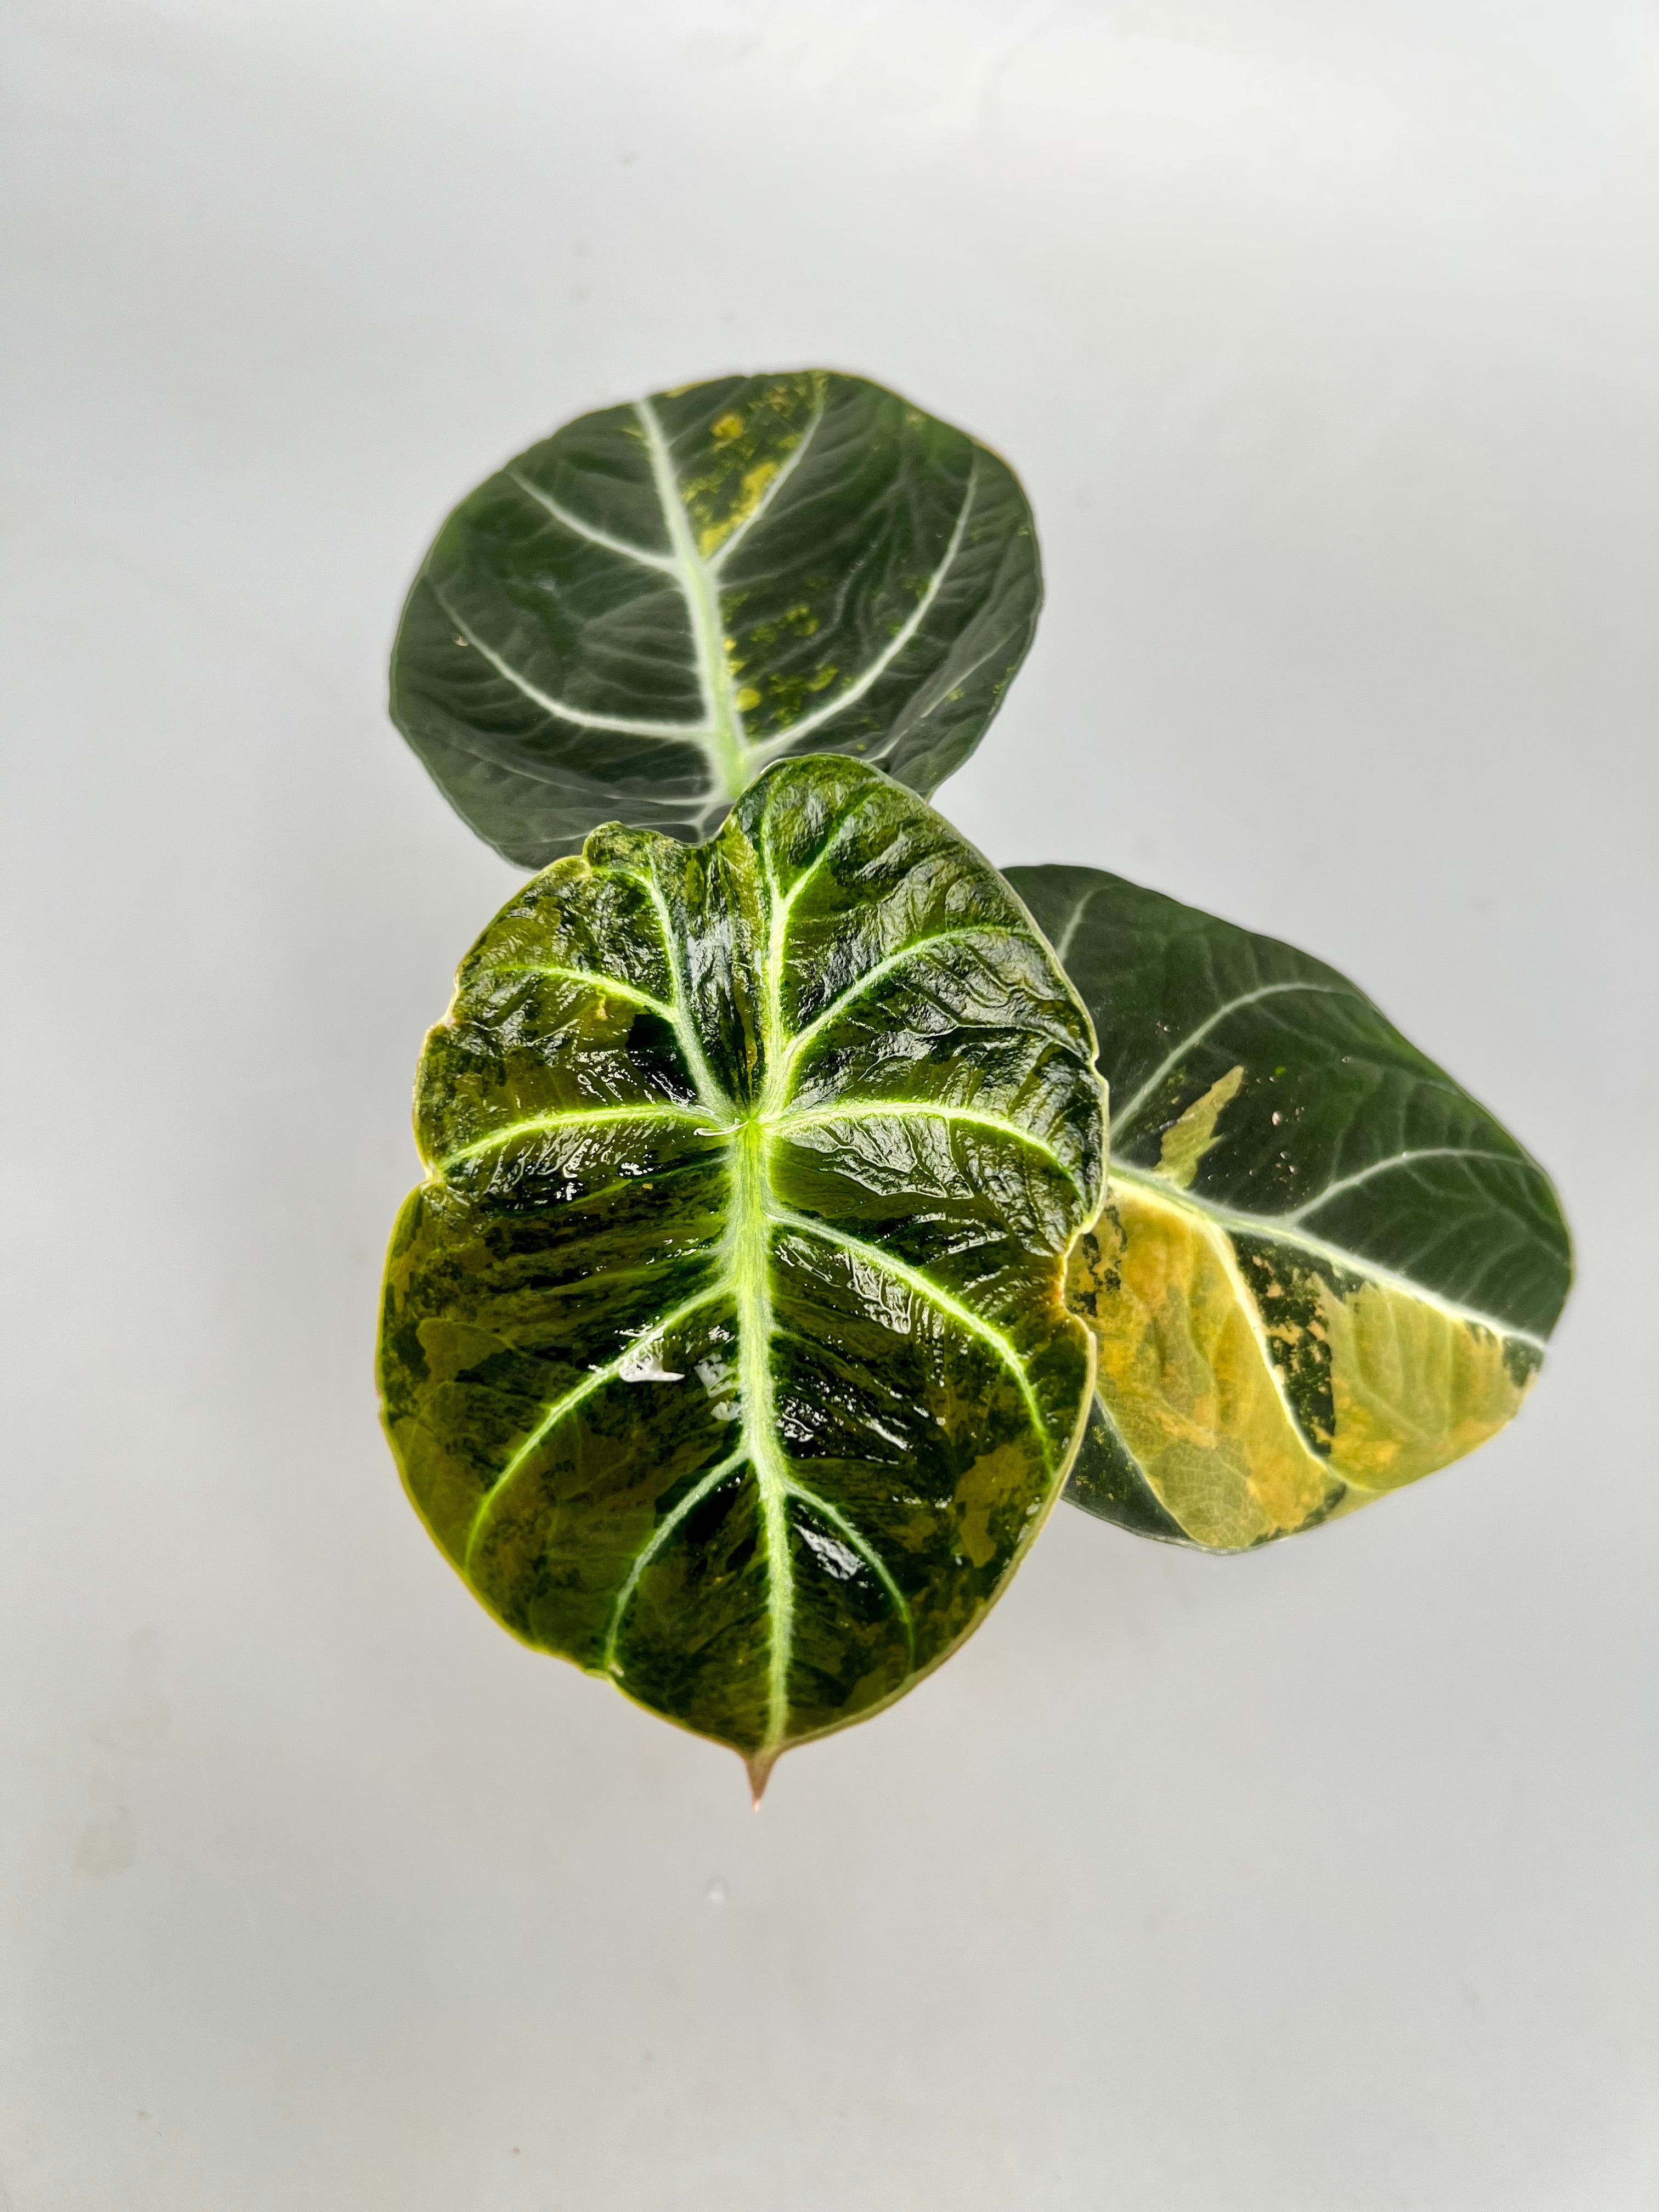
(1325, 335)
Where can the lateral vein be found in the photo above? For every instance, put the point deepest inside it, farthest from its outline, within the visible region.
(1273, 1228)
(606, 986)
(712, 1094)
(595, 1380)
(906, 1109)
(575, 1118)
(1127, 1113)
(659, 1537)
(852, 692)
(786, 469)
(898, 1270)
(885, 967)
(692, 734)
(1399, 1160)
(866, 1552)
(580, 528)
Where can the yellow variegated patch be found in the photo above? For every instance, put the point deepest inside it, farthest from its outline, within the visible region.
(1193, 1133)
(747, 447)
(1185, 1375)
(1415, 1388)
(1191, 1374)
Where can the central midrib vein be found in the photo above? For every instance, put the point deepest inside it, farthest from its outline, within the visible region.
(750, 1250)
(725, 742)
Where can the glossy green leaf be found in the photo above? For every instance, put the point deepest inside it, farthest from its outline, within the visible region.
(725, 1348)
(633, 618)
(1323, 1269)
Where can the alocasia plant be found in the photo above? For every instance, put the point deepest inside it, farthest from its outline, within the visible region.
(763, 1291)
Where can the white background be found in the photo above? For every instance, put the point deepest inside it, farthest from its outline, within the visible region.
(1325, 335)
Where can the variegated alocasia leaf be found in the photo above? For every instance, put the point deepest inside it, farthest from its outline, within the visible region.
(725, 1348)
(634, 618)
(1323, 1270)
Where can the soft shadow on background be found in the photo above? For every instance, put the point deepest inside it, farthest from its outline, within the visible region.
(1325, 337)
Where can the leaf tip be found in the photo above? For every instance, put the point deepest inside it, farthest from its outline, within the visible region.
(760, 1766)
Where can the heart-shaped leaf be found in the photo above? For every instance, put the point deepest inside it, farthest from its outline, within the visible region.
(724, 1349)
(635, 616)
(1323, 1269)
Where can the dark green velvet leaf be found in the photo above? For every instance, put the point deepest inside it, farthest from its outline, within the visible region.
(634, 618)
(725, 1348)
(1323, 1270)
